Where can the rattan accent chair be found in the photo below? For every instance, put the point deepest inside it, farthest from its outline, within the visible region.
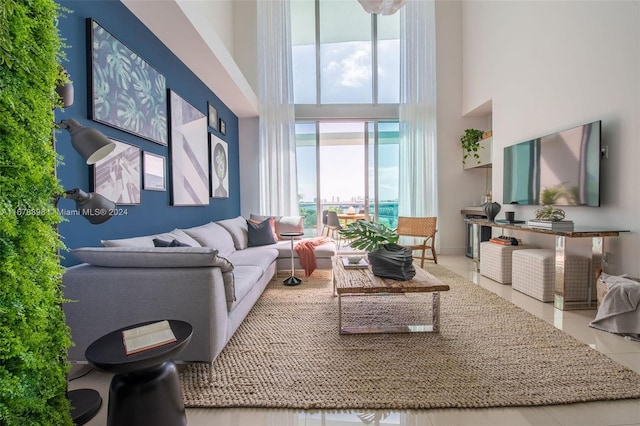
(423, 228)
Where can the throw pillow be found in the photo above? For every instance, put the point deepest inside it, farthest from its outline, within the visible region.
(260, 234)
(175, 243)
(272, 222)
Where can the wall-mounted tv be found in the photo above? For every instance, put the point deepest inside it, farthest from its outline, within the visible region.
(562, 169)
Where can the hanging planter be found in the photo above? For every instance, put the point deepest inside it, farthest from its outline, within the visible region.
(470, 142)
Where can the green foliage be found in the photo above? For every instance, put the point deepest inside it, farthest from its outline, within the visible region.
(34, 337)
(549, 213)
(127, 91)
(470, 142)
(369, 236)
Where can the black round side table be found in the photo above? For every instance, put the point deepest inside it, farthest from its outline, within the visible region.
(145, 389)
(292, 280)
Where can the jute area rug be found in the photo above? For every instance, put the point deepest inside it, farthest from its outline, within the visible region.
(489, 353)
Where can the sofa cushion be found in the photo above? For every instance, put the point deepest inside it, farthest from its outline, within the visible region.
(254, 256)
(323, 250)
(214, 236)
(245, 278)
(283, 224)
(260, 234)
(147, 240)
(237, 228)
(152, 257)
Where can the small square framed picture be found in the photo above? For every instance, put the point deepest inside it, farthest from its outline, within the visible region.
(223, 127)
(154, 172)
(213, 116)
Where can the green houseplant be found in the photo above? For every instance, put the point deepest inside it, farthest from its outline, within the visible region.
(386, 257)
(34, 337)
(470, 142)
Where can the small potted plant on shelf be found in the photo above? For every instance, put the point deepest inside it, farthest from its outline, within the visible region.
(387, 258)
(470, 142)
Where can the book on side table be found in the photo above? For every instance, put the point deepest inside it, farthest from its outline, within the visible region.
(147, 337)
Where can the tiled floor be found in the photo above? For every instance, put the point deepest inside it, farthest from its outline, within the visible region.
(625, 412)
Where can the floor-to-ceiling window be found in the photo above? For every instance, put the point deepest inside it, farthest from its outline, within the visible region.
(346, 91)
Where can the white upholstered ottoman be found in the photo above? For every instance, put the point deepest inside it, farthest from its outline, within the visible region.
(495, 260)
(533, 273)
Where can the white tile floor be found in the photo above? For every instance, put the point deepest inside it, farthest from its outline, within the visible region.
(626, 412)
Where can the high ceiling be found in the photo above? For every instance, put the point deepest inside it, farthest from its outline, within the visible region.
(188, 35)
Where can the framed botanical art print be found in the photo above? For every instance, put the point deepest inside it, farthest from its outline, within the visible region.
(189, 154)
(213, 116)
(125, 91)
(117, 176)
(153, 166)
(219, 167)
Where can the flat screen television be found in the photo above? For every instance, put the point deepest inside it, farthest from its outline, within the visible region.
(562, 169)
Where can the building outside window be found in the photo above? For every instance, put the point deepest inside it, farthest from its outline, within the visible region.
(346, 68)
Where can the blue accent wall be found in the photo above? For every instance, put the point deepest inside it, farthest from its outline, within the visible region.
(155, 213)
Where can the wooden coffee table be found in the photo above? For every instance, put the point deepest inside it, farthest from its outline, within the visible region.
(351, 282)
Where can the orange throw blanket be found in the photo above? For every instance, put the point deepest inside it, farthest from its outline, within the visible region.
(306, 252)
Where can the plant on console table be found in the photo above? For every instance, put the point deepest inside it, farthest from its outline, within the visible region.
(387, 258)
(470, 142)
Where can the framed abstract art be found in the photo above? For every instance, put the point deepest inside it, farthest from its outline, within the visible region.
(125, 91)
(213, 116)
(117, 176)
(219, 167)
(189, 154)
(153, 166)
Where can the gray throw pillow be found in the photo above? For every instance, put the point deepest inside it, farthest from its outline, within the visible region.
(260, 234)
(162, 243)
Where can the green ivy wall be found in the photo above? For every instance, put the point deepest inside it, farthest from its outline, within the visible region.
(34, 337)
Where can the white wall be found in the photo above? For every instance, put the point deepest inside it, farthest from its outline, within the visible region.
(248, 131)
(547, 66)
(457, 188)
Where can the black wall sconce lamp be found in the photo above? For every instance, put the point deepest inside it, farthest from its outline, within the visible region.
(91, 144)
(94, 207)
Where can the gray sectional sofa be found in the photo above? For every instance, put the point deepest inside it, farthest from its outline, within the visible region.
(212, 284)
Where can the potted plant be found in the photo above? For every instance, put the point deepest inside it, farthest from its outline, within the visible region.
(386, 257)
(470, 142)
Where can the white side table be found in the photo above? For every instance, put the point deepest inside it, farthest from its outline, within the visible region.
(292, 280)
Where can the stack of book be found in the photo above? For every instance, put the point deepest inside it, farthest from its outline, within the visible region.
(552, 225)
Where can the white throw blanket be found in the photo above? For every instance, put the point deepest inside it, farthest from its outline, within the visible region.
(619, 311)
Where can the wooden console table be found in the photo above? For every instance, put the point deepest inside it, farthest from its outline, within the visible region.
(597, 236)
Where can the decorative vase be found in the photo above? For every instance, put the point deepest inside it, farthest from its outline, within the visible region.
(492, 210)
(392, 261)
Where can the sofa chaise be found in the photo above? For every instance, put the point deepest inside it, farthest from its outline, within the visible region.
(208, 275)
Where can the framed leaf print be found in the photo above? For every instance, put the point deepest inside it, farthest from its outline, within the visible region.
(189, 154)
(117, 176)
(125, 91)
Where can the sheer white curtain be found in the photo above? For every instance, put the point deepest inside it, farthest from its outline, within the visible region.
(278, 185)
(418, 153)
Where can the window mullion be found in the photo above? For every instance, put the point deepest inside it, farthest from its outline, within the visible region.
(318, 76)
(374, 58)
